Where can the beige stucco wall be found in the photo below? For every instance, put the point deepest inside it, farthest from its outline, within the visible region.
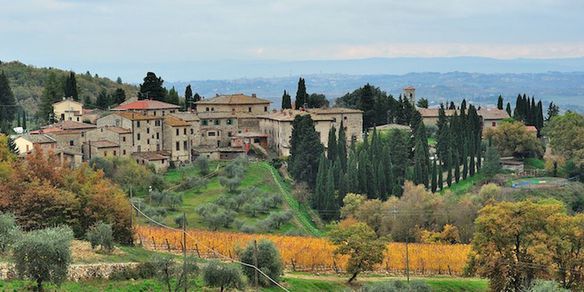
(242, 108)
(64, 110)
(122, 139)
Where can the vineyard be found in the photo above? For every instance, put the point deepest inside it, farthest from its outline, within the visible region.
(308, 254)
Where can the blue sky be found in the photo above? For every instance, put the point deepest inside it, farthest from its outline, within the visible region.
(93, 33)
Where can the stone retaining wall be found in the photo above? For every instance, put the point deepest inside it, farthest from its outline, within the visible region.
(77, 272)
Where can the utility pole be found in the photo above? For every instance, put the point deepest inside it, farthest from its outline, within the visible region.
(255, 263)
(184, 250)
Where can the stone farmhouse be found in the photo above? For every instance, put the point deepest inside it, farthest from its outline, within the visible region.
(157, 133)
(491, 117)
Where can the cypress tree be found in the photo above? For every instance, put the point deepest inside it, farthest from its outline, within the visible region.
(321, 180)
(381, 182)
(434, 177)
(442, 134)
(196, 98)
(421, 157)
(508, 109)
(332, 144)
(479, 157)
(188, 98)
(119, 96)
(305, 149)
(500, 102)
(301, 95)
(342, 191)
(440, 174)
(352, 173)
(24, 119)
(465, 161)
(471, 165)
(456, 167)
(363, 181)
(330, 202)
(342, 148)
(7, 101)
(286, 101)
(449, 175)
(70, 88)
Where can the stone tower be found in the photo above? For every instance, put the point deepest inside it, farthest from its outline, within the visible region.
(410, 94)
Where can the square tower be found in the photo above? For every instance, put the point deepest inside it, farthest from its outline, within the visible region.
(410, 94)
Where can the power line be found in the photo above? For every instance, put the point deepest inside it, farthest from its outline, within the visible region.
(211, 249)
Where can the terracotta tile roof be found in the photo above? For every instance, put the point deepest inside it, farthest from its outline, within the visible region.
(152, 155)
(38, 138)
(186, 116)
(175, 122)
(64, 126)
(137, 116)
(433, 112)
(118, 130)
(334, 110)
(493, 114)
(145, 104)
(103, 144)
(289, 115)
(238, 98)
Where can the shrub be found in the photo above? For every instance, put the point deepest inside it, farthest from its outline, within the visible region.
(217, 274)
(545, 286)
(203, 164)
(44, 255)
(276, 219)
(180, 220)
(166, 269)
(268, 260)
(100, 234)
(9, 231)
(248, 228)
(215, 216)
(192, 183)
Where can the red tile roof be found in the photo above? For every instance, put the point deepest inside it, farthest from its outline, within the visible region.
(145, 104)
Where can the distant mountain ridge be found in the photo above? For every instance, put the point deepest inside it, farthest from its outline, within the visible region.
(565, 88)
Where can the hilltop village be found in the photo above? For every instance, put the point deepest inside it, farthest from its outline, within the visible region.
(222, 127)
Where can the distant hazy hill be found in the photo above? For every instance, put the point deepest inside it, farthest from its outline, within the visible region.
(565, 88)
(27, 83)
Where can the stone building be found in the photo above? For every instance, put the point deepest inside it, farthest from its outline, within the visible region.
(278, 126)
(410, 94)
(26, 143)
(177, 141)
(217, 128)
(351, 119)
(195, 126)
(491, 117)
(120, 136)
(238, 102)
(148, 107)
(147, 134)
(68, 110)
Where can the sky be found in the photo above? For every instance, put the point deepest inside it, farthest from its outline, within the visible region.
(95, 34)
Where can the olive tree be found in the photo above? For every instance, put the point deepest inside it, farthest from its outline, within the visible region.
(268, 261)
(9, 231)
(44, 255)
(217, 274)
(101, 234)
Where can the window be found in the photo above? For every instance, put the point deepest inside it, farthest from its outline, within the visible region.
(123, 139)
(157, 123)
(115, 152)
(229, 134)
(104, 153)
(216, 122)
(192, 131)
(148, 141)
(212, 109)
(147, 130)
(184, 145)
(154, 113)
(494, 124)
(204, 122)
(157, 136)
(138, 136)
(265, 108)
(177, 146)
(124, 152)
(229, 121)
(249, 109)
(71, 142)
(137, 124)
(163, 113)
(185, 131)
(211, 134)
(207, 109)
(177, 132)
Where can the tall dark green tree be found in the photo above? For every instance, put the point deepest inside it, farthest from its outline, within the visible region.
(52, 92)
(119, 96)
(421, 156)
(500, 102)
(553, 110)
(508, 109)
(103, 100)
(465, 161)
(172, 96)
(301, 94)
(331, 150)
(7, 103)
(442, 135)
(152, 88)
(305, 150)
(188, 98)
(440, 179)
(449, 168)
(286, 101)
(342, 148)
(197, 97)
(70, 89)
(434, 185)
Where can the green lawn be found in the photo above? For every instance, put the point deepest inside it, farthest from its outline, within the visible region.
(534, 163)
(464, 186)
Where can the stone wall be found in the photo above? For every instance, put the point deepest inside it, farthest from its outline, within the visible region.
(77, 272)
